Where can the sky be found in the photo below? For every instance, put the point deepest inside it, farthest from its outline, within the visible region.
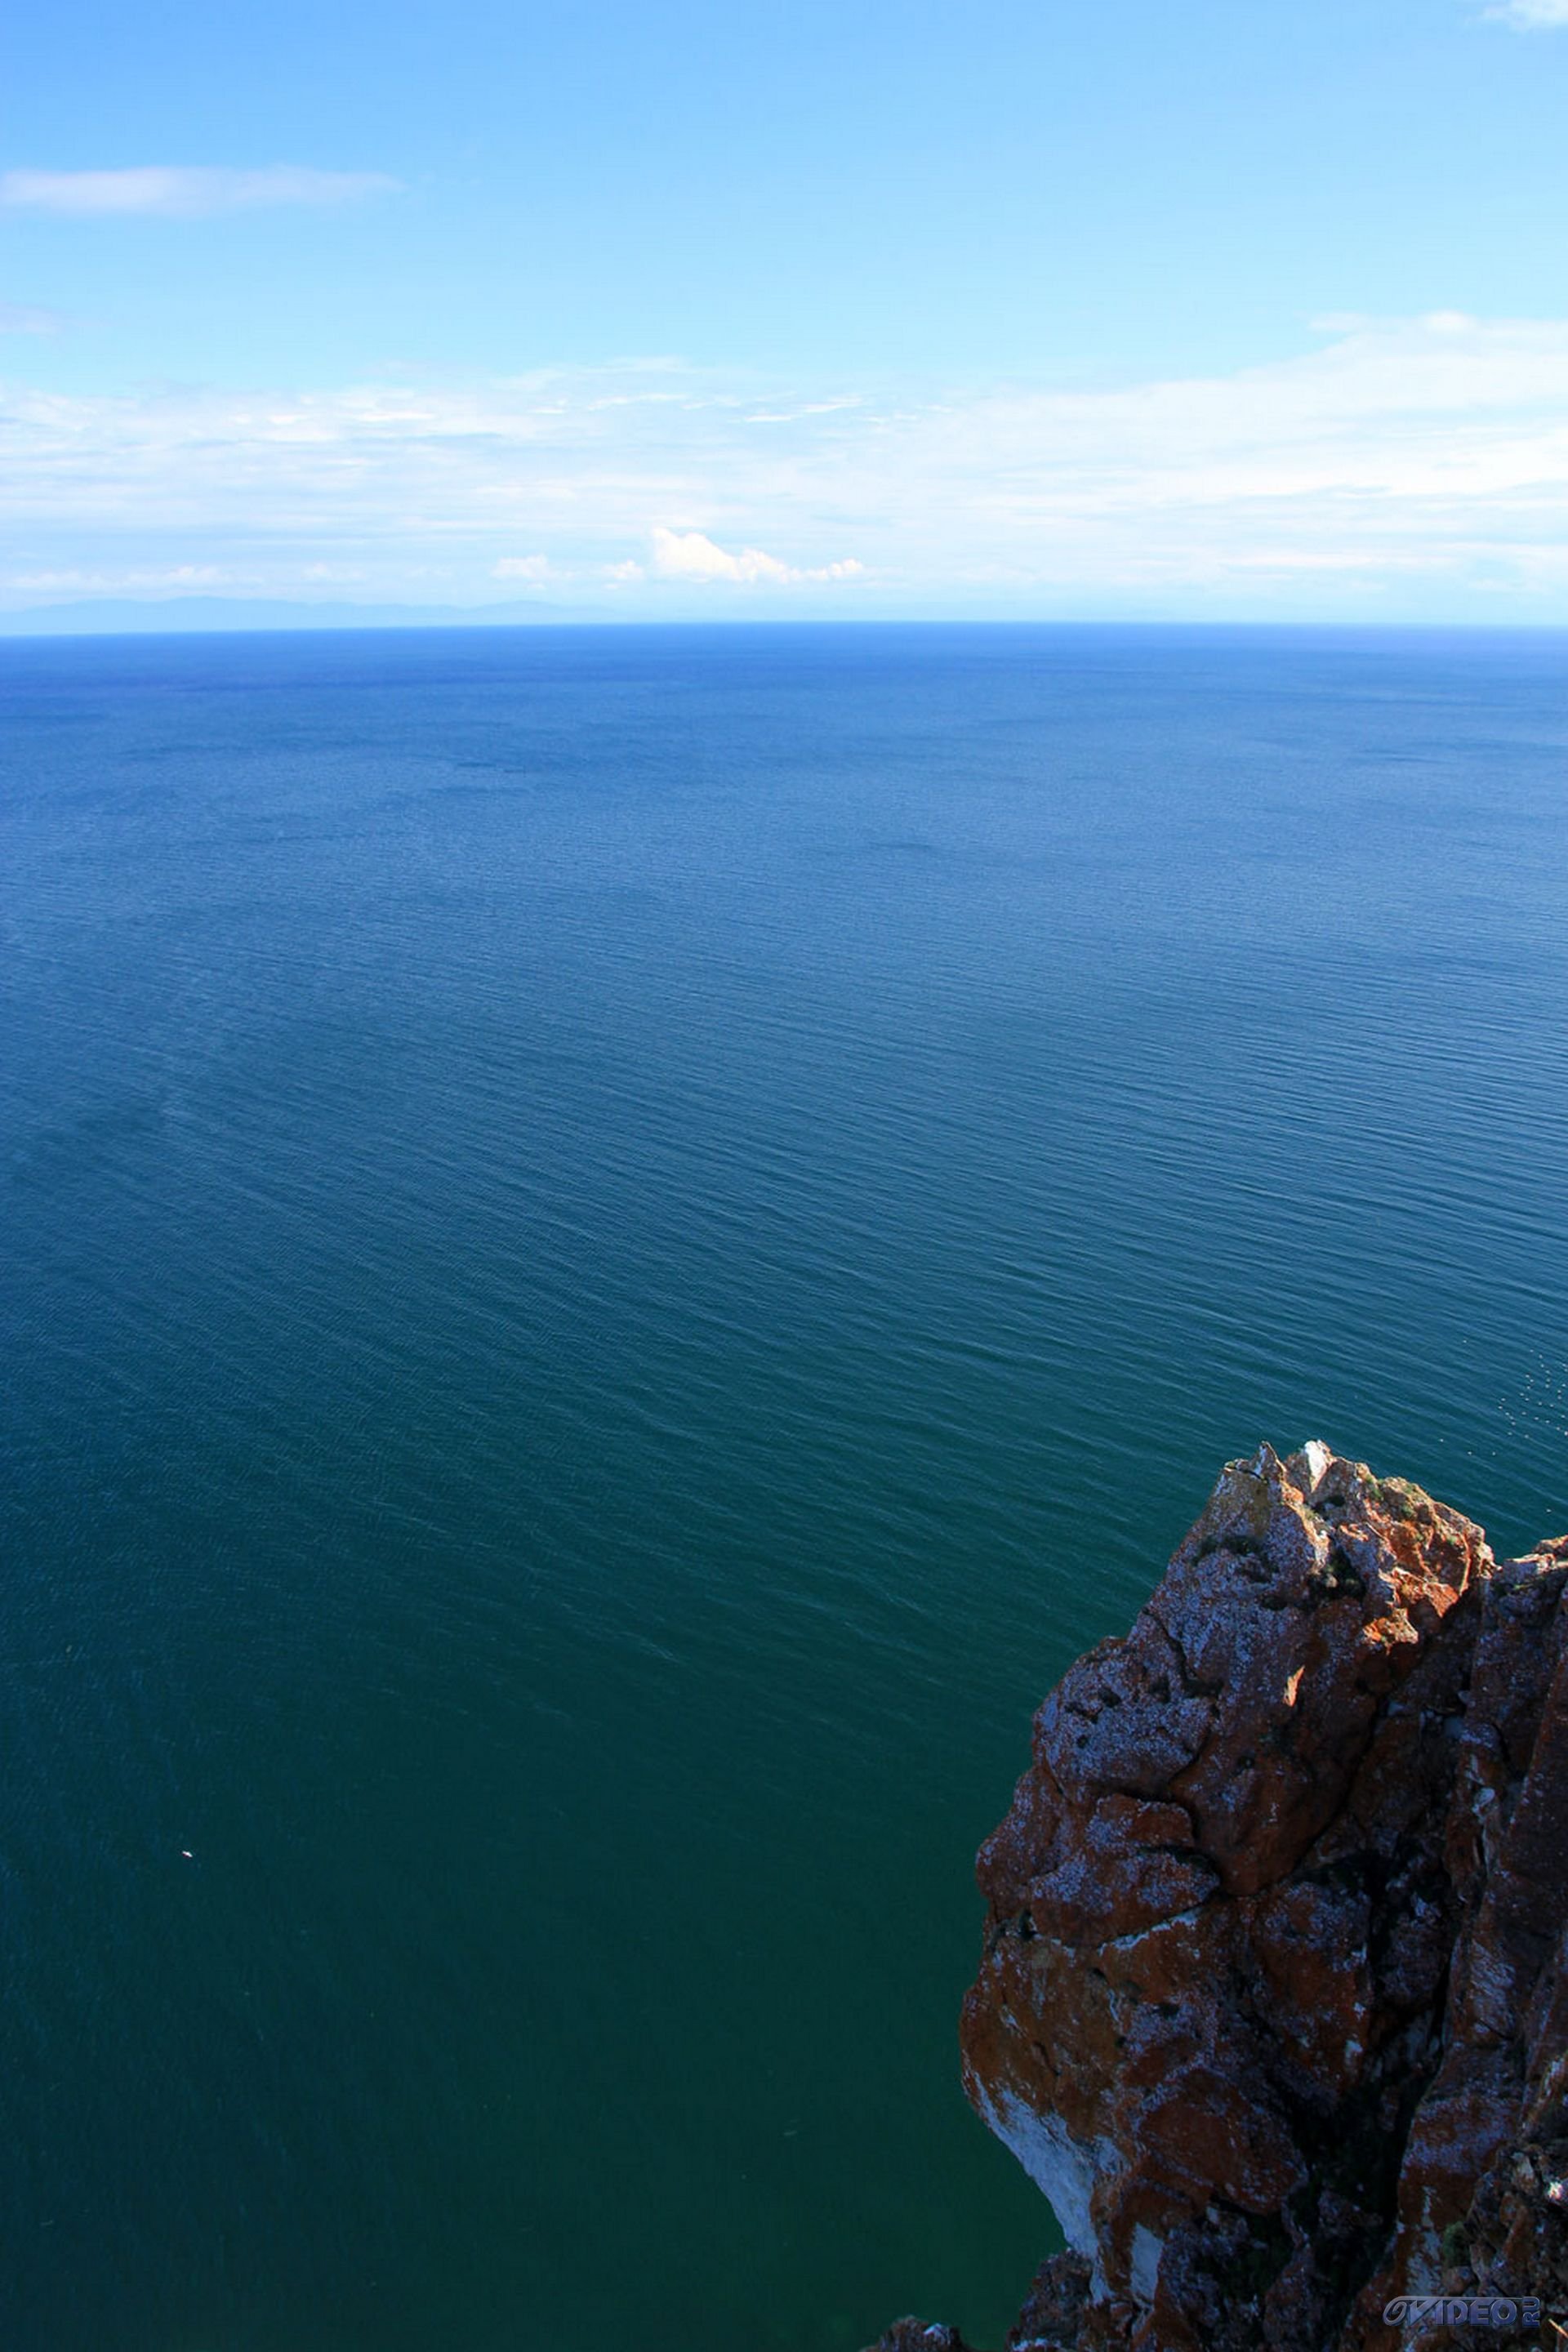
(1235, 310)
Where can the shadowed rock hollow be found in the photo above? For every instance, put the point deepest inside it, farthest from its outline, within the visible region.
(1274, 2000)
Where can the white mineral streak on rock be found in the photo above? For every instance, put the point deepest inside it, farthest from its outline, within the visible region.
(1063, 2168)
(1144, 2269)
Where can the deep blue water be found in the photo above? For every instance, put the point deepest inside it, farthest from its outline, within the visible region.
(619, 1243)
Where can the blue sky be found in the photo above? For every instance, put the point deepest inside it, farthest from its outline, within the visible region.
(1210, 310)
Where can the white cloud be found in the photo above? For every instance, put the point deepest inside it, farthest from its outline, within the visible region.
(1530, 16)
(691, 555)
(183, 191)
(1414, 467)
(521, 567)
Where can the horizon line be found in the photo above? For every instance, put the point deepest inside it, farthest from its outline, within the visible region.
(367, 621)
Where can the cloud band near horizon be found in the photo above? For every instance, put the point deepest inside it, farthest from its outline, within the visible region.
(1401, 468)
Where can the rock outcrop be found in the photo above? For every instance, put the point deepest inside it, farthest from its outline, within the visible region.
(1274, 2000)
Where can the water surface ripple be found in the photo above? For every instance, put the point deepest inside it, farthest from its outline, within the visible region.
(620, 1243)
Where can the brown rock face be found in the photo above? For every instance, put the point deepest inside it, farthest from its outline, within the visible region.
(1483, 2187)
(1273, 2002)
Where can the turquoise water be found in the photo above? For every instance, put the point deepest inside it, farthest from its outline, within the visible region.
(620, 1244)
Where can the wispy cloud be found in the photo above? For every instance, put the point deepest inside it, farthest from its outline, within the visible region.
(29, 319)
(170, 580)
(184, 192)
(1398, 467)
(1530, 16)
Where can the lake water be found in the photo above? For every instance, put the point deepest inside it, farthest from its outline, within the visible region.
(618, 1244)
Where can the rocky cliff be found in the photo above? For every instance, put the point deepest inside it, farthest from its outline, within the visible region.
(1274, 2000)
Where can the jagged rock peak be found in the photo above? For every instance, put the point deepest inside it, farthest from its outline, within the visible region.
(1274, 1998)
